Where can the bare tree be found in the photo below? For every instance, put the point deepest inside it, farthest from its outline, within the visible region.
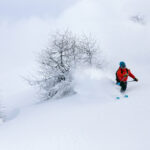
(64, 53)
(139, 18)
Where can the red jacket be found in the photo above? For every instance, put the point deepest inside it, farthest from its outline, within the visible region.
(123, 73)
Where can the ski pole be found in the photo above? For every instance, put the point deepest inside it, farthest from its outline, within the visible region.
(123, 79)
(131, 81)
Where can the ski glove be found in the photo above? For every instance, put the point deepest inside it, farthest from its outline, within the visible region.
(135, 79)
(118, 83)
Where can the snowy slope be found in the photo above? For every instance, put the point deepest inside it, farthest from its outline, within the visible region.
(92, 119)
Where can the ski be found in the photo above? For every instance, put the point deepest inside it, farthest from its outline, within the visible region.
(126, 96)
(119, 97)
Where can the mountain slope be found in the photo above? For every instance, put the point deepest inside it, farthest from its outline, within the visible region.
(91, 119)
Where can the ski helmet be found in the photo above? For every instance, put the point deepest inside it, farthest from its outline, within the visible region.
(122, 64)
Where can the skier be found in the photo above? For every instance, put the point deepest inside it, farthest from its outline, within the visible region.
(122, 76)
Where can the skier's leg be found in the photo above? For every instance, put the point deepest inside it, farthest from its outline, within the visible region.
(123, 86)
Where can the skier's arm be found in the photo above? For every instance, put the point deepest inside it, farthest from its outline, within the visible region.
(131, 75)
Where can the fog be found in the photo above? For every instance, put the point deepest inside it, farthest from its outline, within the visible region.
(25, 27)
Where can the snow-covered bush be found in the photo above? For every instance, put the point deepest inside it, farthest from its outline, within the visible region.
(63, 54)
(138, 19)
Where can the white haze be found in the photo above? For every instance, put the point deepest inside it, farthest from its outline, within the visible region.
(109, 22)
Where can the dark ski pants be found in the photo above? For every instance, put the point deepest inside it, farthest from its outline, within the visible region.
(123, 86)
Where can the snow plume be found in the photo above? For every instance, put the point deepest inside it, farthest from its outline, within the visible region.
(88, 81)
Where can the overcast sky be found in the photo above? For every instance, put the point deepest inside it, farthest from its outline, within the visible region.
(25, 24)
(16, 9)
